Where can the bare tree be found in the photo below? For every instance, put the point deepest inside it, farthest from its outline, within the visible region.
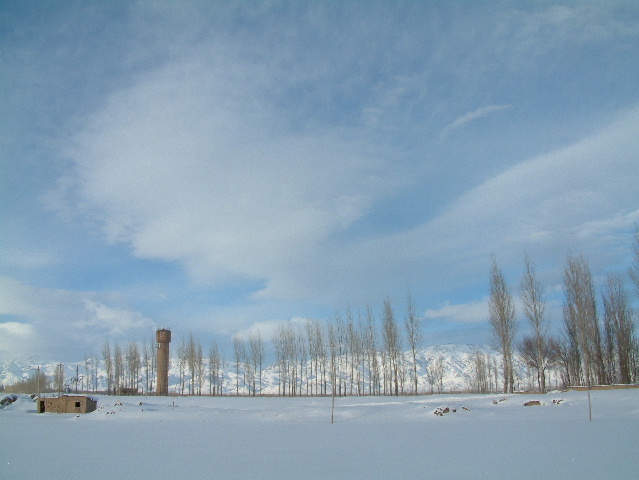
(634, 266)
(481, 372)
(249, 372)
(312, 337)
(580, 319)
(280, 359)
(372, 353)
(503, 322)
(392, 344)
(118, 369)
(301, 361)
(321, 368)
(148, 363)
(194, 360)
(532, 299)
(286, 342)
(182, 354)
(536, 355)
(340, 333)
(108, 366)
(132, 356)
(58, 378)
(435, 373)
(565, 355)
(332, 345)
(413, 335)
(38, 383)
(352, 342)
(87, 374)
(239, 351)
(146, 356)
(199, 367)
(94, 373)
(215, 364)
(257, 357)
(620, 329)
(355, 353)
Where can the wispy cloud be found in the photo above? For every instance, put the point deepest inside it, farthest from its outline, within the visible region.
(183, 171)
(470, 116)
(268, 329)
(284, 160)
(114, 321)
(35, 316)
(16, 329)
(540, 206)
(473, 312)
(16, 338)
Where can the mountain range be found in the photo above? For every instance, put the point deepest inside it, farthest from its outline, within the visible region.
(457, 372)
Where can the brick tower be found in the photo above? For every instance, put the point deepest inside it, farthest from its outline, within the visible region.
(163, 337)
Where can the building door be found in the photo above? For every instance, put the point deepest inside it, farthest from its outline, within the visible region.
(41, 409)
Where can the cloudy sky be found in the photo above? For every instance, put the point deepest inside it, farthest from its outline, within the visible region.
(217, 167)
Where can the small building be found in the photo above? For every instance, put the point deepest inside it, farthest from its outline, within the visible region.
(67, 404)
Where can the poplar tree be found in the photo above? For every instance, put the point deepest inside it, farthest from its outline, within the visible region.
(620, 330)
(118, 369)
(580, 319)
(372, 357)
(215, 370)
(634, 267)
(257, 357)
(503, 322)
(108, 366)
(535, 348)
(392, 344)
(239, 351)
(413, 335)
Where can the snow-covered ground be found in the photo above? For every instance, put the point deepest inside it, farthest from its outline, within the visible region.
(293, 438)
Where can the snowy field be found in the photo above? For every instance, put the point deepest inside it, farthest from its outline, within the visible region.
(293, 438)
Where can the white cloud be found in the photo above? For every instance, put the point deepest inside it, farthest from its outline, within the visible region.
(115, 321)
(267, 329)
(16, 329)
(542, 205)
(16, 338)
(470, 116)
(78, 321)
(473, 312)
(225, 162)
(182, 169)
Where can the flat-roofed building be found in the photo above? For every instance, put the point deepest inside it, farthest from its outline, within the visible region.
(67, 404)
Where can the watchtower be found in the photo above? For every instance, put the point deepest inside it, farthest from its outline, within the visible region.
(163, 337)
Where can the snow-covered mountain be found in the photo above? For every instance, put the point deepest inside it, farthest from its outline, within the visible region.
(457, 372)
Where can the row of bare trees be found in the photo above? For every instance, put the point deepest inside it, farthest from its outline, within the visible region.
(592, 348)
(372, 354)
(124, 367)
(348, 355)
(249, 359)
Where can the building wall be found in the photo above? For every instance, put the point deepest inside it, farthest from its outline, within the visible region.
(67, 404)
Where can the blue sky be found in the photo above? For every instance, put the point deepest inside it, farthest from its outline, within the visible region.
(221, 167)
